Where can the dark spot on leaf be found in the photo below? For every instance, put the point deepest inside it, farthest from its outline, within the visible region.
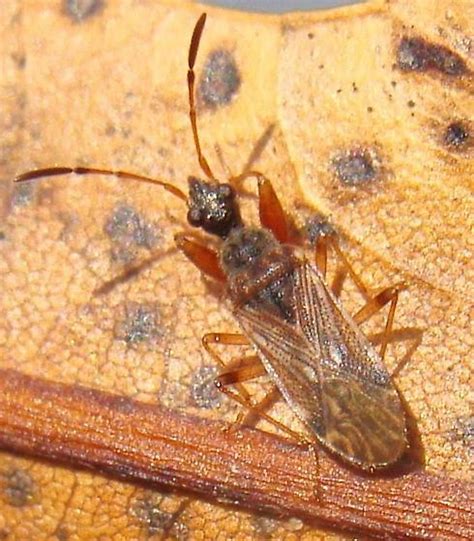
(2, 235)
(264, 526)
(203, 391)
(147, 509)
(179, 531)
(62, 534)
(456, 134)
(356, 166)
(141, 323)
(310, 35)
(370, 109)
(318, 226)
(463, 431)
(126, 222)
(20, 61)
(220, 79)
(411, 103)
(110, 130)
(79, 10)
(22, 195)
(417, 54)
(18, 487)
(128, 230)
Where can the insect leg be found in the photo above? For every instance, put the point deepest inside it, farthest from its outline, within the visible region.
(247, 368)
(226, 379)
(272, 215)
(250, 368)
(240, 370)
(321, 254)
(228, 339)
(251, 417)
(193, 49)
(323, 242)
(205, 259)
(332, 242)
(256, 411)
(237, 371)
(375, 304)
(170, 523)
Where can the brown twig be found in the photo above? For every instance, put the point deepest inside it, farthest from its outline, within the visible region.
(248, 468)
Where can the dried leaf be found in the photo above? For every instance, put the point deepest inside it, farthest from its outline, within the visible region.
(370, 113)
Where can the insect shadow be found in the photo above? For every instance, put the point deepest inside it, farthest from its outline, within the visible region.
(318, 359)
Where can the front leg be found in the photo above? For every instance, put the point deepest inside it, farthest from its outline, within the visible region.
(272, 215)
(204, 258)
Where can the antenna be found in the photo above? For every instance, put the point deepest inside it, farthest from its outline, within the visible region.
(193, 50)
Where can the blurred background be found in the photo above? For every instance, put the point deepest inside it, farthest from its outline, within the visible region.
(279, 6)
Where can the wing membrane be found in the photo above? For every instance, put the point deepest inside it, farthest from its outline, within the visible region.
(329, 373)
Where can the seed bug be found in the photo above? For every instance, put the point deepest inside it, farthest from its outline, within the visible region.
(316, 356)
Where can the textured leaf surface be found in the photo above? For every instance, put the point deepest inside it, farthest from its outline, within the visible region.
(370, 108)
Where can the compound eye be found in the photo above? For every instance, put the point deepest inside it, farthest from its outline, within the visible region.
(194, 217)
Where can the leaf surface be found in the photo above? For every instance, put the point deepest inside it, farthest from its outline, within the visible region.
(366, 124)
